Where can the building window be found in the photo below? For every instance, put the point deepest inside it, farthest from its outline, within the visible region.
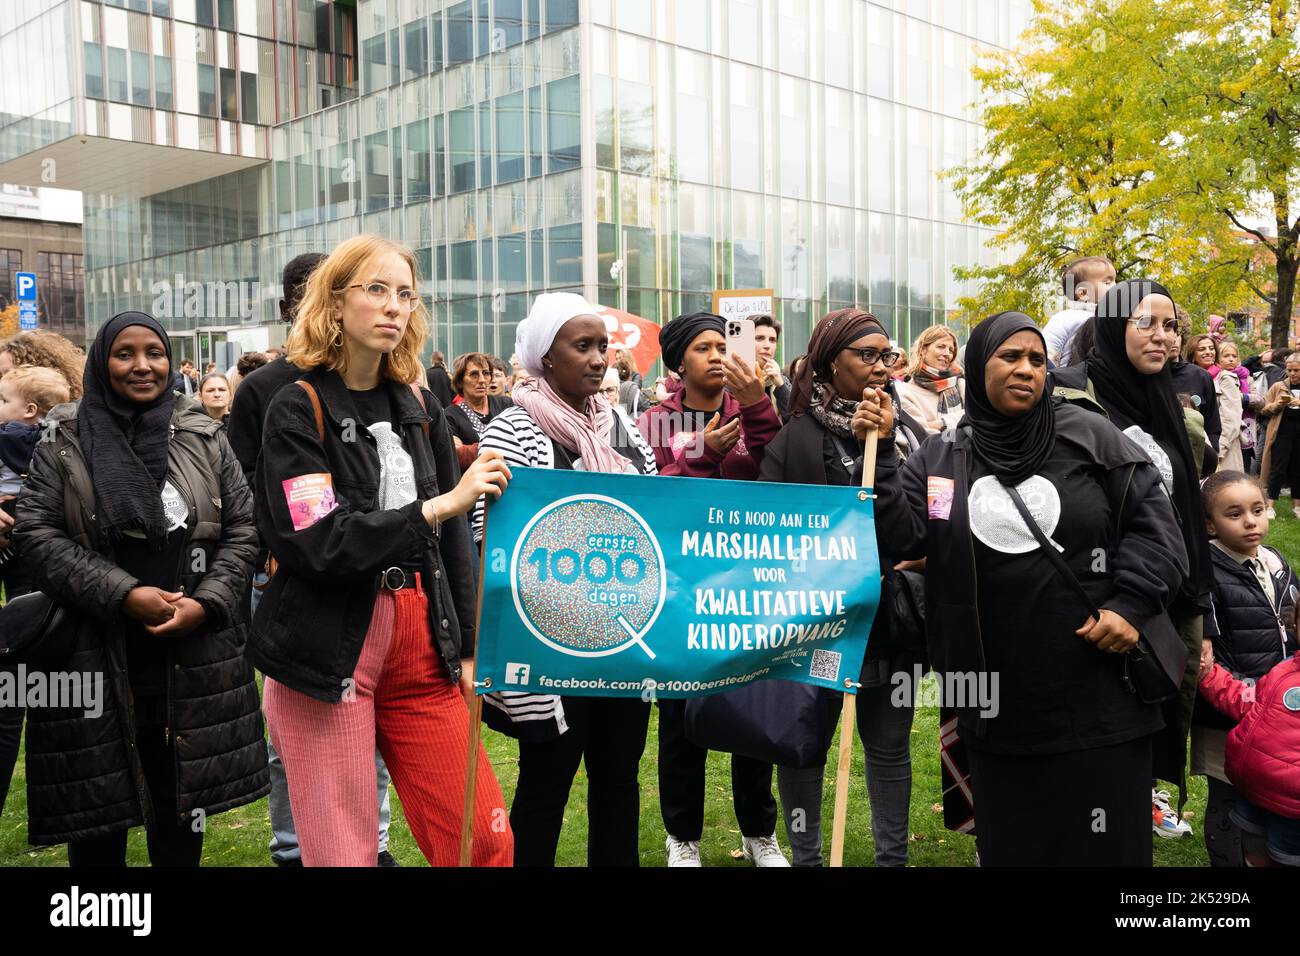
(566, 256)
(162, 82)
(564, 129)
(417, 49)
(535, 131)
(394, 56)
(60, 281)
(94, 58)
(439, 157)
(340, 178)
(460, 33)
(747, 267)
(485, 43)
(374, 63)
(485, 144)
(140, 79)
(417, 161)
(229, 95)
(117, 75)
(561, 14)
(743, 24)
(464, 268)
(509, 24)
(794, 138)
(512, 261)
(207, 89)
(534, 19)
(248, 89)
(461, 136)
(377, 171)
(636, 127)
(510, 138)
(11, 261)
(435, 44)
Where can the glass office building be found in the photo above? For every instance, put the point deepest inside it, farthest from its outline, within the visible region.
(517, 146)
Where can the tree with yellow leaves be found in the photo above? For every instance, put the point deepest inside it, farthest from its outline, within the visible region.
(1163, 134)
(9, 321)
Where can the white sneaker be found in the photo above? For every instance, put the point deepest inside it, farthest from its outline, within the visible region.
(1164, 821)
(764, 851)
(1295, 511)
(1271, 514)
(683, 852)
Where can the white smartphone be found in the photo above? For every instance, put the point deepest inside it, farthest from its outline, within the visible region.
(741, 342)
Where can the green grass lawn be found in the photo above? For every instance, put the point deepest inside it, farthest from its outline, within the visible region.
(240, 837)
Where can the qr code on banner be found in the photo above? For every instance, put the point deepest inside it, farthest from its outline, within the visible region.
(825, 665)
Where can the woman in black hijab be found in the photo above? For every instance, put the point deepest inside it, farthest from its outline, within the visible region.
(136, 519)
(1126, 378)
(1037, 683)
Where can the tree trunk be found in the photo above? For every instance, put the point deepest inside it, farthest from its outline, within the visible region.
(1280, 318)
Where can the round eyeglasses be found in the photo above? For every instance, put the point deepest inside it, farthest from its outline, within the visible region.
(378, 293)
(1148, 323)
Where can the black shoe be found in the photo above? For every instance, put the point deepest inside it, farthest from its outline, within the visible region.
(297, 862)
(387, 859)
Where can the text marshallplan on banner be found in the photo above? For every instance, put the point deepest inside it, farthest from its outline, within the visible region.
(612, 585)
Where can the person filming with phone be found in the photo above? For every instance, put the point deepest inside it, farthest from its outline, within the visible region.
(720, 421)
(717, 425)
(1281, 461)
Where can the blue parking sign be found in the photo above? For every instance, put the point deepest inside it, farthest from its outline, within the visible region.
(25, 288)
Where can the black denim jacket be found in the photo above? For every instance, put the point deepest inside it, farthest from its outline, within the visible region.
(312, 622)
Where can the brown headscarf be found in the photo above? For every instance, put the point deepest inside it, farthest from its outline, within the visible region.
(835, 332)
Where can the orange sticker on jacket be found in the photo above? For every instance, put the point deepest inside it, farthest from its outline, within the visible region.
(938, 494)
(310, 498)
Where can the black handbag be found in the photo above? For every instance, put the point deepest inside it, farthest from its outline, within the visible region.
(905, 600)
(1153, 669)
(780, 722)
(35, 631)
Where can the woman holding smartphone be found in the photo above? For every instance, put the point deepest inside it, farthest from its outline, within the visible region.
(717, 425)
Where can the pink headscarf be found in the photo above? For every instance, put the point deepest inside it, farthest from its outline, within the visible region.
(587, 431)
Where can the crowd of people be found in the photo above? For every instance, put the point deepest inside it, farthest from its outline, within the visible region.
(1075, 505)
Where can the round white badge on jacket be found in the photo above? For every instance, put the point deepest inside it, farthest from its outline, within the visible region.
(996, 521)
(1155, 454)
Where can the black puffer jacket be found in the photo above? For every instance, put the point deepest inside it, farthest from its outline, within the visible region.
(84, 777)
(1253, 636)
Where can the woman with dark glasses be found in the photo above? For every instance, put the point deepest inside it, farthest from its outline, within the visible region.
(849, 353)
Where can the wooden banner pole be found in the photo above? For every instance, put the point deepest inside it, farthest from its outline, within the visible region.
(849, 712)
(475, 718)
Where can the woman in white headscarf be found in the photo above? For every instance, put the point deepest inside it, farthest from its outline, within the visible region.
(560, 420)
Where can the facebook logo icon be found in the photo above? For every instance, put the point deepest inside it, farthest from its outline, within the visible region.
(517, 673)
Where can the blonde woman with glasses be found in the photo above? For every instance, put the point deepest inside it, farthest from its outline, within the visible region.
(366, 634)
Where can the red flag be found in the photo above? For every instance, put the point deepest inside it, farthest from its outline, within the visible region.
(627, 331)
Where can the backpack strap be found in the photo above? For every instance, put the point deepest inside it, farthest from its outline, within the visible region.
(320, 413)
(310, 389)
(419, 397)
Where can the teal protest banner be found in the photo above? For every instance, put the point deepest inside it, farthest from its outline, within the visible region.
(615, 585)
